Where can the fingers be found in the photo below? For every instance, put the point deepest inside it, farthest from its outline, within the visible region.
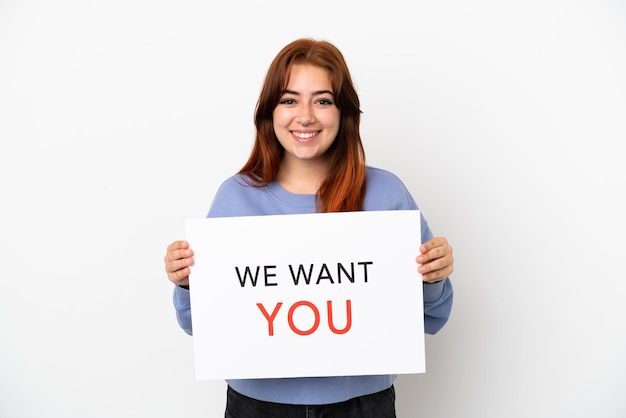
(176, 250)
(437, 242)
(177, 260)
(435, 261)
(180, 277)
(437, 270)
(177, 245)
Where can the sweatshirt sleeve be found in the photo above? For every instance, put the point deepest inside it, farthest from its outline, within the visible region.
(437, 305)
(182, 305)
(437, 296)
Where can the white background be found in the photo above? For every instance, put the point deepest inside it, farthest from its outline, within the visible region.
(506, 120)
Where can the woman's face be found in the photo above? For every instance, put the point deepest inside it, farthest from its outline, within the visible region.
(306, 120)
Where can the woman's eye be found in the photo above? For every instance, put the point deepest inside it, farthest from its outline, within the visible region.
(287, 101)
(325, 102)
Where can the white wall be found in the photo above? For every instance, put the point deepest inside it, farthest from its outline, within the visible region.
(119, 119)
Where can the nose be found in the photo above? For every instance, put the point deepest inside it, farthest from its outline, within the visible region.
(305, 115)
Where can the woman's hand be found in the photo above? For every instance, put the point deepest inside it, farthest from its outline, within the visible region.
(435, 260)
(177, 261)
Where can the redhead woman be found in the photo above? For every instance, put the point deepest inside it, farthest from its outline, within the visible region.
(308, 158)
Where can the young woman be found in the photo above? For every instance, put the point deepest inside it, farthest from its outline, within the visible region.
(308, 157)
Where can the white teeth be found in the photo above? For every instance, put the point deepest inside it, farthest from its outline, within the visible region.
(302, 135)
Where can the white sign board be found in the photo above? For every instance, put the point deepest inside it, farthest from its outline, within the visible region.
(333, 294)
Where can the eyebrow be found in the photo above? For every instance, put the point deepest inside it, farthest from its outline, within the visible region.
(315, 93)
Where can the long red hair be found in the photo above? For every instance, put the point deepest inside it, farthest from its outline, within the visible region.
(344, 186)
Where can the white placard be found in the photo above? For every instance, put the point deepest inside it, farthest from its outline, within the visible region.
(332, 294)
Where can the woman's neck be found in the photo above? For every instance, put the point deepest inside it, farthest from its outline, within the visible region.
(301, 178)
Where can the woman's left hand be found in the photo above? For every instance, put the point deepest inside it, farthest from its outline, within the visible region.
(435, 260)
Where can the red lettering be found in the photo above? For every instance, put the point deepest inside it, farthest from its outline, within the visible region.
(329, 307)
(315, 312)
(270, 318)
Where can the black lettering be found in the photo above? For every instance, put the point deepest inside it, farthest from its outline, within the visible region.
(296, 278)
(365, 264)
(326, 276)
(265, 268)
(247, 273)
(350, 276)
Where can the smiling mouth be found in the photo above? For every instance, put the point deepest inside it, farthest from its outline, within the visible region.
(305, 135)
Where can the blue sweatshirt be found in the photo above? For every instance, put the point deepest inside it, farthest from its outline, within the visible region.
(385, 191)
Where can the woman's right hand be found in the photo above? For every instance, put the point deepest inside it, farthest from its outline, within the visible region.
(177, 261)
